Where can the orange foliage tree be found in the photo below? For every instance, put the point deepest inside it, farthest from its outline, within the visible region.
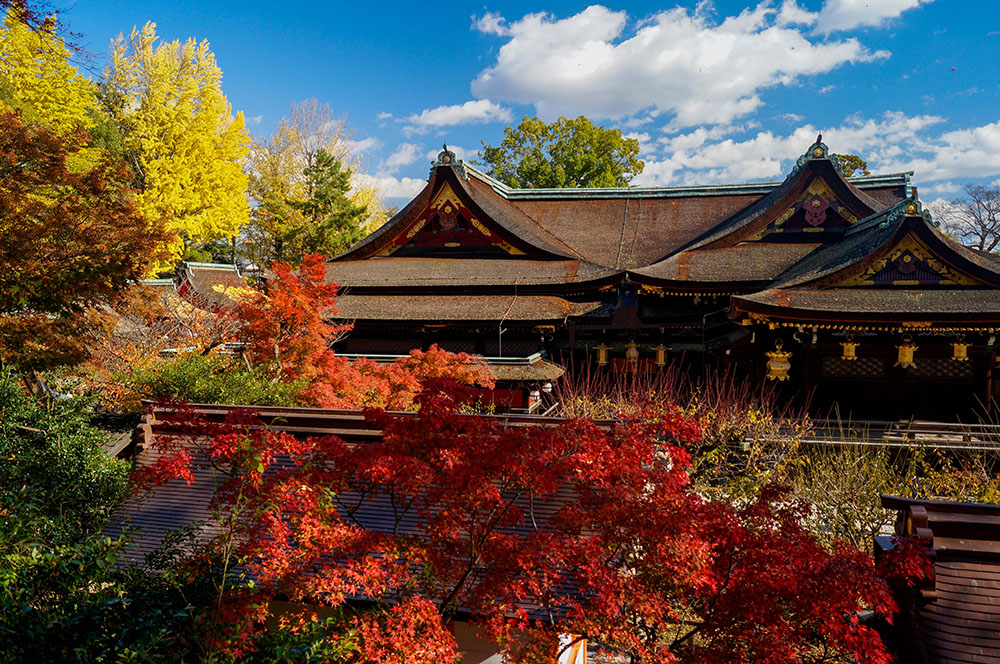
(287, 327)
(70, 242)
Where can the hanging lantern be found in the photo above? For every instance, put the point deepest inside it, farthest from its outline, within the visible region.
(850, 349)
(960, 350)
(661, 355)
(777, 362)
(602, 354)
(632, 351)
(905, 357)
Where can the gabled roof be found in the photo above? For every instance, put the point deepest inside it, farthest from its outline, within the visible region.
(621, 228)
(894, 266)
(817, 180)
(448, 190)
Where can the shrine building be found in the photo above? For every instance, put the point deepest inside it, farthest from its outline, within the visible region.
(838, 288)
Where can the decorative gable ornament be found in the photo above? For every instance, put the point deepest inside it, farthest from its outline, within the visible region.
(448, 158)
(850, 348)
(778, 364)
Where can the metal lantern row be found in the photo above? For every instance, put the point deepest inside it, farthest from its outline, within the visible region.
(905, 351)
(631, 353)
(779, 364)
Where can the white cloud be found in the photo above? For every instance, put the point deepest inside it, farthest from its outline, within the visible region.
(383, 115)
(362, 146)
(847, 14)
(254, 121)
(491, 23)
(792, 14)
(392, 187)
(710, 155)
(404, 155)
(677, 62)
(471, 112)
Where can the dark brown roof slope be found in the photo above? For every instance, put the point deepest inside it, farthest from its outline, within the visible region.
(857, 304)
(391, 272)
(441, 308)
(750, 262)
(628, 233)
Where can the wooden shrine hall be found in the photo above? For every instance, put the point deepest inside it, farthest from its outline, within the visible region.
(839, 288)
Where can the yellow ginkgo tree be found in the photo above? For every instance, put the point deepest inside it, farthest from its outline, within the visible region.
(187, 147)
(38, 80)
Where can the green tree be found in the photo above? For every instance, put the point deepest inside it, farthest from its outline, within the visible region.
(333, 220)
(852, 164)
(280, 186)
(565, 153)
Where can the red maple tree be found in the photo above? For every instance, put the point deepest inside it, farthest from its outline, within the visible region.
(288, 326)
(532, 532)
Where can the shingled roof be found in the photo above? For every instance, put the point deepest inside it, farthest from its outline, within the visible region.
(618, 229)
(955, 615)
(441, 308)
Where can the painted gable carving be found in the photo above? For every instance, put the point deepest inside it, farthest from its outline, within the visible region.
(910, 263)
(817, 210)
(446, 227)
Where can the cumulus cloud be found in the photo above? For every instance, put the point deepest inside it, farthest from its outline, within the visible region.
(254, 121)
(383, 115)
(471, 112)
(848, 14)
(491, 23)
(710, 155)
(677, 62)
(362, 146)
(404, 155)
(392, 187)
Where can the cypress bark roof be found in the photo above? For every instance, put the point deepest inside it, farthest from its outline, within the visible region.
(431, 308)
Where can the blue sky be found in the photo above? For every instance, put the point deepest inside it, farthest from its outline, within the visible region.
(716, 92)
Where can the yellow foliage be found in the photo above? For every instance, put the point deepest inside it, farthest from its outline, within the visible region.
(36, 77)
(191, 148)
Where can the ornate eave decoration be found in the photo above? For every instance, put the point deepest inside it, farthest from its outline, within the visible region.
(448, 158)
(908, 206)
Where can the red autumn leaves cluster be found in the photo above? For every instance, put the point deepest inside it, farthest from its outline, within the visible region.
(532, 532)
(288, 326)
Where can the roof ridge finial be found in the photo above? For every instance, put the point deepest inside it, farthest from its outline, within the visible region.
(448, 158)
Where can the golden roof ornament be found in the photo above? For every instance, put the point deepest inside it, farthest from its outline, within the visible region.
(850, 349)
